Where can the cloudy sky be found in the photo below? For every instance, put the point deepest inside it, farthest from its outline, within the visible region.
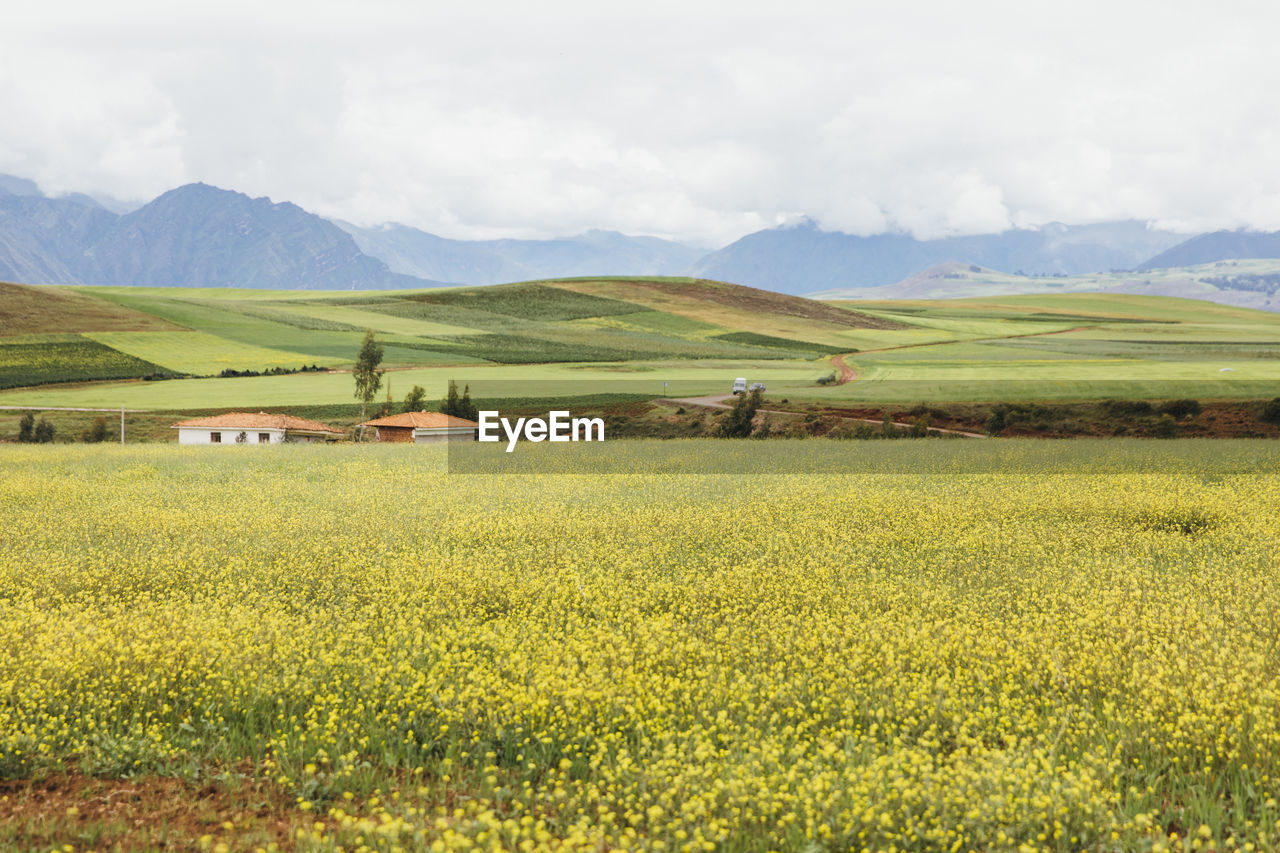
(696, 121)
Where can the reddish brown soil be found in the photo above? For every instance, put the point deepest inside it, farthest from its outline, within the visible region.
(148, 813)
(767, 302)
(32, 310)
(845, 372)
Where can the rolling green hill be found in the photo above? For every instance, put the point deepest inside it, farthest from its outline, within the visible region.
(624, 326)
(84, 346)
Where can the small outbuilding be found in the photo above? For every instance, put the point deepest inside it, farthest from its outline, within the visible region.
(423, 428)
(250, 428)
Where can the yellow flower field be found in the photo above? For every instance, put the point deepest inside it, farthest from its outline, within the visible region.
(1070, 646)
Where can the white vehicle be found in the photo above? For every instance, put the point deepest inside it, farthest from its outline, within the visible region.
(757, 386)
(740, 385)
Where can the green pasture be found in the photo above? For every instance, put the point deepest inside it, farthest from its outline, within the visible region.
(696, 336)
(362, 318)
(683, 378)
(197, 352)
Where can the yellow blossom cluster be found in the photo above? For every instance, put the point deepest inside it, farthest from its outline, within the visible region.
(1033, 653)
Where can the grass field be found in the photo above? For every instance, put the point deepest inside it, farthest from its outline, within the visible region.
(684, 378)
(67, 358)
(695, 335)
(946, 645)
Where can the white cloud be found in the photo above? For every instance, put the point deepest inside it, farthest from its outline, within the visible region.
(701, 123)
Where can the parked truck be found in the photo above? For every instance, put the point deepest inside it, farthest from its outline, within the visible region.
(740, 385)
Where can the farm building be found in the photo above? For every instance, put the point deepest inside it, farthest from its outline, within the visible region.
(423, 428)
(249, 428)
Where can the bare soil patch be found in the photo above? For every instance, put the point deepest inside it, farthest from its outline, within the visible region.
(767, 302)
(147, 813)
(28, 310)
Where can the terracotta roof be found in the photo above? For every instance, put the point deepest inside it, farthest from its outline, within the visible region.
(420, 420)
(260, 420)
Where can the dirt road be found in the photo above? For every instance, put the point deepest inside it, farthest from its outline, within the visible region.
(845, 373)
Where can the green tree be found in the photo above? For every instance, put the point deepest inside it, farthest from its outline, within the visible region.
(449, 405)
(737, 422)
(459, 405)
(920, 427)
(468, 409)
(415, 399)
(998, 420)
(27, 428)
(96, 433)
(368, 376)
(43, 432)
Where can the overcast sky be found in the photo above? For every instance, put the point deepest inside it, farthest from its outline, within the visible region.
(696, 121)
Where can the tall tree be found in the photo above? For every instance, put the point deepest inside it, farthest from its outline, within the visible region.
(449, 405)
(43, 432)
(368, 376)
(459, 406)
(466, 408)
(415, 399)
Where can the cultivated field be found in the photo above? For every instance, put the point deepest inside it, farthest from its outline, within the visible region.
(693, 335)
(946, 645)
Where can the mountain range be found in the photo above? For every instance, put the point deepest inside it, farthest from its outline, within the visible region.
(195, 235)
(1217, 246)
(802, 258)
(413, 252)
(200, 236)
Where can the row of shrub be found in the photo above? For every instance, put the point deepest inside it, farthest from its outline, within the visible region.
(230, 373)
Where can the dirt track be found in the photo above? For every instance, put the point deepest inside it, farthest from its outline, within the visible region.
(844, 371)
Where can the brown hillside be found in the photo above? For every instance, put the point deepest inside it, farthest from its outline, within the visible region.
(739, 297)
(29, 310)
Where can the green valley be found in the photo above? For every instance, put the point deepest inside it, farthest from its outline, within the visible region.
(641, 337)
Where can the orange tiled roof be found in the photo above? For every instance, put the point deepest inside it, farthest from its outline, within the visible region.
(261, 420)
(420, 420)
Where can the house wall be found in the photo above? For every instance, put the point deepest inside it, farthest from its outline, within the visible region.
(398, 434)
(306, 439)
(438, 438)
(204, 435)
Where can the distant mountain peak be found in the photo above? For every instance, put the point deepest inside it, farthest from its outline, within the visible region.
(799, 223)
(1218, 246)
(13, 185)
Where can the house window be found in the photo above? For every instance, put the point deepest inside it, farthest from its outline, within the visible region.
(215, 438)
(264, 438)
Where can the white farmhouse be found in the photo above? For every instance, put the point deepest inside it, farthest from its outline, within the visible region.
(249, 428)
